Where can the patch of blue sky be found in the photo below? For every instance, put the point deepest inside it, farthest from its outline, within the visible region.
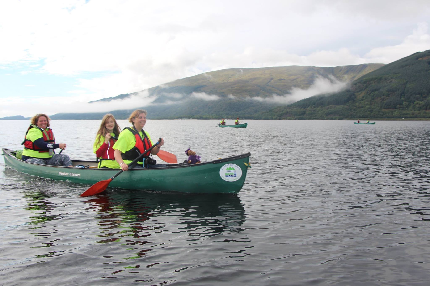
(28, 82)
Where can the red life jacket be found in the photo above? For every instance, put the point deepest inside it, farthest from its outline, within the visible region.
(109, 155)
(140, 147)
(48, 136)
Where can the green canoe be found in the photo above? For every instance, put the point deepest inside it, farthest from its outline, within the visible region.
(243, 125)
(364, 123)
(218, 176)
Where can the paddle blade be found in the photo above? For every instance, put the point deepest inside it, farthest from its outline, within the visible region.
(96, 188)
(167, 157)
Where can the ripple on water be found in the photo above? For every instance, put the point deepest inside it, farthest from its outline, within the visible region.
(325, 203)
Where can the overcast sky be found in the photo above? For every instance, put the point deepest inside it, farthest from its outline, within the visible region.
(57, 55)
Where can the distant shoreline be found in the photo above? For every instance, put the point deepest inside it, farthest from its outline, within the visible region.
(244, 119)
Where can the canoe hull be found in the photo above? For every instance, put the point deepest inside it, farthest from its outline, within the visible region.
(364, 123)
(219, 176)
(235, 126)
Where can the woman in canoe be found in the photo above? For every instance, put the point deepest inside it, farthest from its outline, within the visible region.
(106, 137)
(39, 144)
(237, 121)
(133, 141)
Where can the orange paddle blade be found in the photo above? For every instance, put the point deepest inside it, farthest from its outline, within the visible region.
(167, 157)
(96, 188)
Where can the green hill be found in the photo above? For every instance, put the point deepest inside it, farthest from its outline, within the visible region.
(240, 92)
(16, 117)
(259, 82)
(398, 90)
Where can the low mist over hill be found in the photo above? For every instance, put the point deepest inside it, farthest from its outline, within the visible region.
(246, 93)
(398, 90)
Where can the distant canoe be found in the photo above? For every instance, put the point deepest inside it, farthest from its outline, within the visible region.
(364, 123)
(243, 125)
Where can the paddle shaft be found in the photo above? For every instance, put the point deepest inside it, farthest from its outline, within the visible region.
(102, 185)
(137, 159)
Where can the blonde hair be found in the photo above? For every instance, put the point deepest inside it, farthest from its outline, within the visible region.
(135, 114)
(35, 118)
(103, 131)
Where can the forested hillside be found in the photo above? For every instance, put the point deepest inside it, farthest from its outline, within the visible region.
(259, 82)
(238, 92)
(397, 90)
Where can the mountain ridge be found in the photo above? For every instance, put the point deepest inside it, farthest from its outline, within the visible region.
(240, 92)
(400, 89)
(253, 82)
(397, 90)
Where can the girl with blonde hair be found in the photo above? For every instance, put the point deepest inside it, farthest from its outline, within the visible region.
(106, 137)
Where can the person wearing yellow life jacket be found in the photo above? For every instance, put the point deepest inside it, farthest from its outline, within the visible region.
(106, 137)
(39, 144)
(237, 121)
(222, 122)
(134, 141)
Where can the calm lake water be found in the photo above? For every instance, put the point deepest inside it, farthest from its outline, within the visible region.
(325, 203)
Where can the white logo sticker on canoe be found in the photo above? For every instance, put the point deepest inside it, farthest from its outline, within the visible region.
(230, 172)
(69, 174)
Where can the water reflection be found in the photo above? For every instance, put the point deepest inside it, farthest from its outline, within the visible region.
(121, 227)
(37, 193)
(198, 215)
(39, 204)
(124, 213)
(144, 221)
(41, 217)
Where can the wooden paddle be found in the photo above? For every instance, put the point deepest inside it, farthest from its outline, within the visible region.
(102, 185)
(167, 157)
